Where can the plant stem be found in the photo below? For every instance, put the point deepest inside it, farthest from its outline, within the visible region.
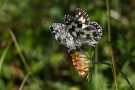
(96, 67)
(109, 40)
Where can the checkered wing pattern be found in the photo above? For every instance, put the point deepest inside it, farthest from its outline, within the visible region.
(77, 31)
(82, 17)
(91, 34)
(61, 34)
(74, 26)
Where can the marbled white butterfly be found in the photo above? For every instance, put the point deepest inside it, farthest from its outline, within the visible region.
(77, 31)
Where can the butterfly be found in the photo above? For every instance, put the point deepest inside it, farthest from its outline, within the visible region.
(77, 31)
(82, 30)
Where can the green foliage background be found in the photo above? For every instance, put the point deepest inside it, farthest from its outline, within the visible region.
(49, 63)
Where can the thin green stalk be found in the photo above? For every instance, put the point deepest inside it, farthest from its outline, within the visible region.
(96, 68)
(113, 66)
(24, 80)
(18, 49)
(109, 40)
(131, 87)
(3, 55)
(20, 53)
(108, 20)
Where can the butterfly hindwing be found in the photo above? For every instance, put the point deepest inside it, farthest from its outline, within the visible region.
(98, 30)
(91, 34)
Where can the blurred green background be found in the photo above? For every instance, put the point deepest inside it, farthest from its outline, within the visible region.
(50, 64)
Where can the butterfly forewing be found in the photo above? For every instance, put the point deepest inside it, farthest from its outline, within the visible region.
(74, 26)
(61, 34)
(83, 17)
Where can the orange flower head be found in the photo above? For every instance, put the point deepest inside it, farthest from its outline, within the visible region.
(81, 63)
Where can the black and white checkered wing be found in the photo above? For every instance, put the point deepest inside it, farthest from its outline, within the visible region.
(61, 34)
(83, 17)
(74, 26)
(91, 34)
